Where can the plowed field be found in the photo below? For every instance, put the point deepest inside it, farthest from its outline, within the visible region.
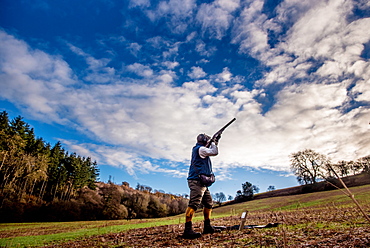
(327, 227)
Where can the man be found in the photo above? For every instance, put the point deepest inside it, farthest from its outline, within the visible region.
(200, 164)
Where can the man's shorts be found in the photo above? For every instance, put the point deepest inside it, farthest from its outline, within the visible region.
(199, 194)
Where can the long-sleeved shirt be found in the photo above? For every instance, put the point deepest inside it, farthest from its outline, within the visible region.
(211, 151)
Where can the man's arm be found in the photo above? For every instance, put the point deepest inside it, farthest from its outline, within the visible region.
(211, 151)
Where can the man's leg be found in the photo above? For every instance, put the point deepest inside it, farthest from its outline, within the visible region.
(189, 213)
(189, 232)
(196, 194)
(207, 213)
(207, 210)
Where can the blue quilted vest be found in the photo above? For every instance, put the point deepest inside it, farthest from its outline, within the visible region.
(199, 165)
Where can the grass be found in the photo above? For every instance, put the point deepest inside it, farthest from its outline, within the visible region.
(293, 202)
(38, 234)
(72, 230)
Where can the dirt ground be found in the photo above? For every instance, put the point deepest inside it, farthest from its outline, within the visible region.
(330, 227)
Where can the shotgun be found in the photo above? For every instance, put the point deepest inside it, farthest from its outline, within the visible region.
(217, 135)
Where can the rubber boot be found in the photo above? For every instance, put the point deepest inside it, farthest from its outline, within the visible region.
(189, 232)
(208, 229)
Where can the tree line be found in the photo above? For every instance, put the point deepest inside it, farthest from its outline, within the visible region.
(41, 182)
(310, 166)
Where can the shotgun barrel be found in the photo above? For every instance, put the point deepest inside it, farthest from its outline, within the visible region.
(219, 132)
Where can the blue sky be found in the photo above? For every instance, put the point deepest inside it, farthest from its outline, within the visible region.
(132, 83)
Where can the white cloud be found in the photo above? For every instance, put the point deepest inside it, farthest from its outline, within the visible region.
(317, 29)
(203, 50)
(178, 12)
(203, 61)
(224, 76)
(140, 70)
(139, 3)
(249, 30)
(97, 71)
(177, 8)
(228, 5)
(149, 117)
(216, 17)
(320, 46)
(28, 76)
(360, 90)
(196, 72)
(305, 116)
(323, 33)
(134, 48)
(170, 65)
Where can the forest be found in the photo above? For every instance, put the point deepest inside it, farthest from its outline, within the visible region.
(41, 182)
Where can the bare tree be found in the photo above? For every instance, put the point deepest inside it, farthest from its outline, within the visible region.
(220, 197)
(342, 168)
(365, 163)
(309, 166)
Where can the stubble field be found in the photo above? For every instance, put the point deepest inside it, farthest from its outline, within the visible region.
(328, 227)
(325, 219)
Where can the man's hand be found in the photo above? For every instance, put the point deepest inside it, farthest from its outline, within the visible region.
(216, 137)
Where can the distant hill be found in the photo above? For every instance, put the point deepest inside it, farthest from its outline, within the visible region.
(350, 181)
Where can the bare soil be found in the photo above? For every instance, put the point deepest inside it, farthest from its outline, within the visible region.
(322, 227)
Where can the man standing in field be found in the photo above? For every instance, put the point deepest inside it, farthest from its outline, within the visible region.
(199, 192)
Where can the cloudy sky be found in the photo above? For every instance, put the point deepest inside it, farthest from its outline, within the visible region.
(132, 83)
